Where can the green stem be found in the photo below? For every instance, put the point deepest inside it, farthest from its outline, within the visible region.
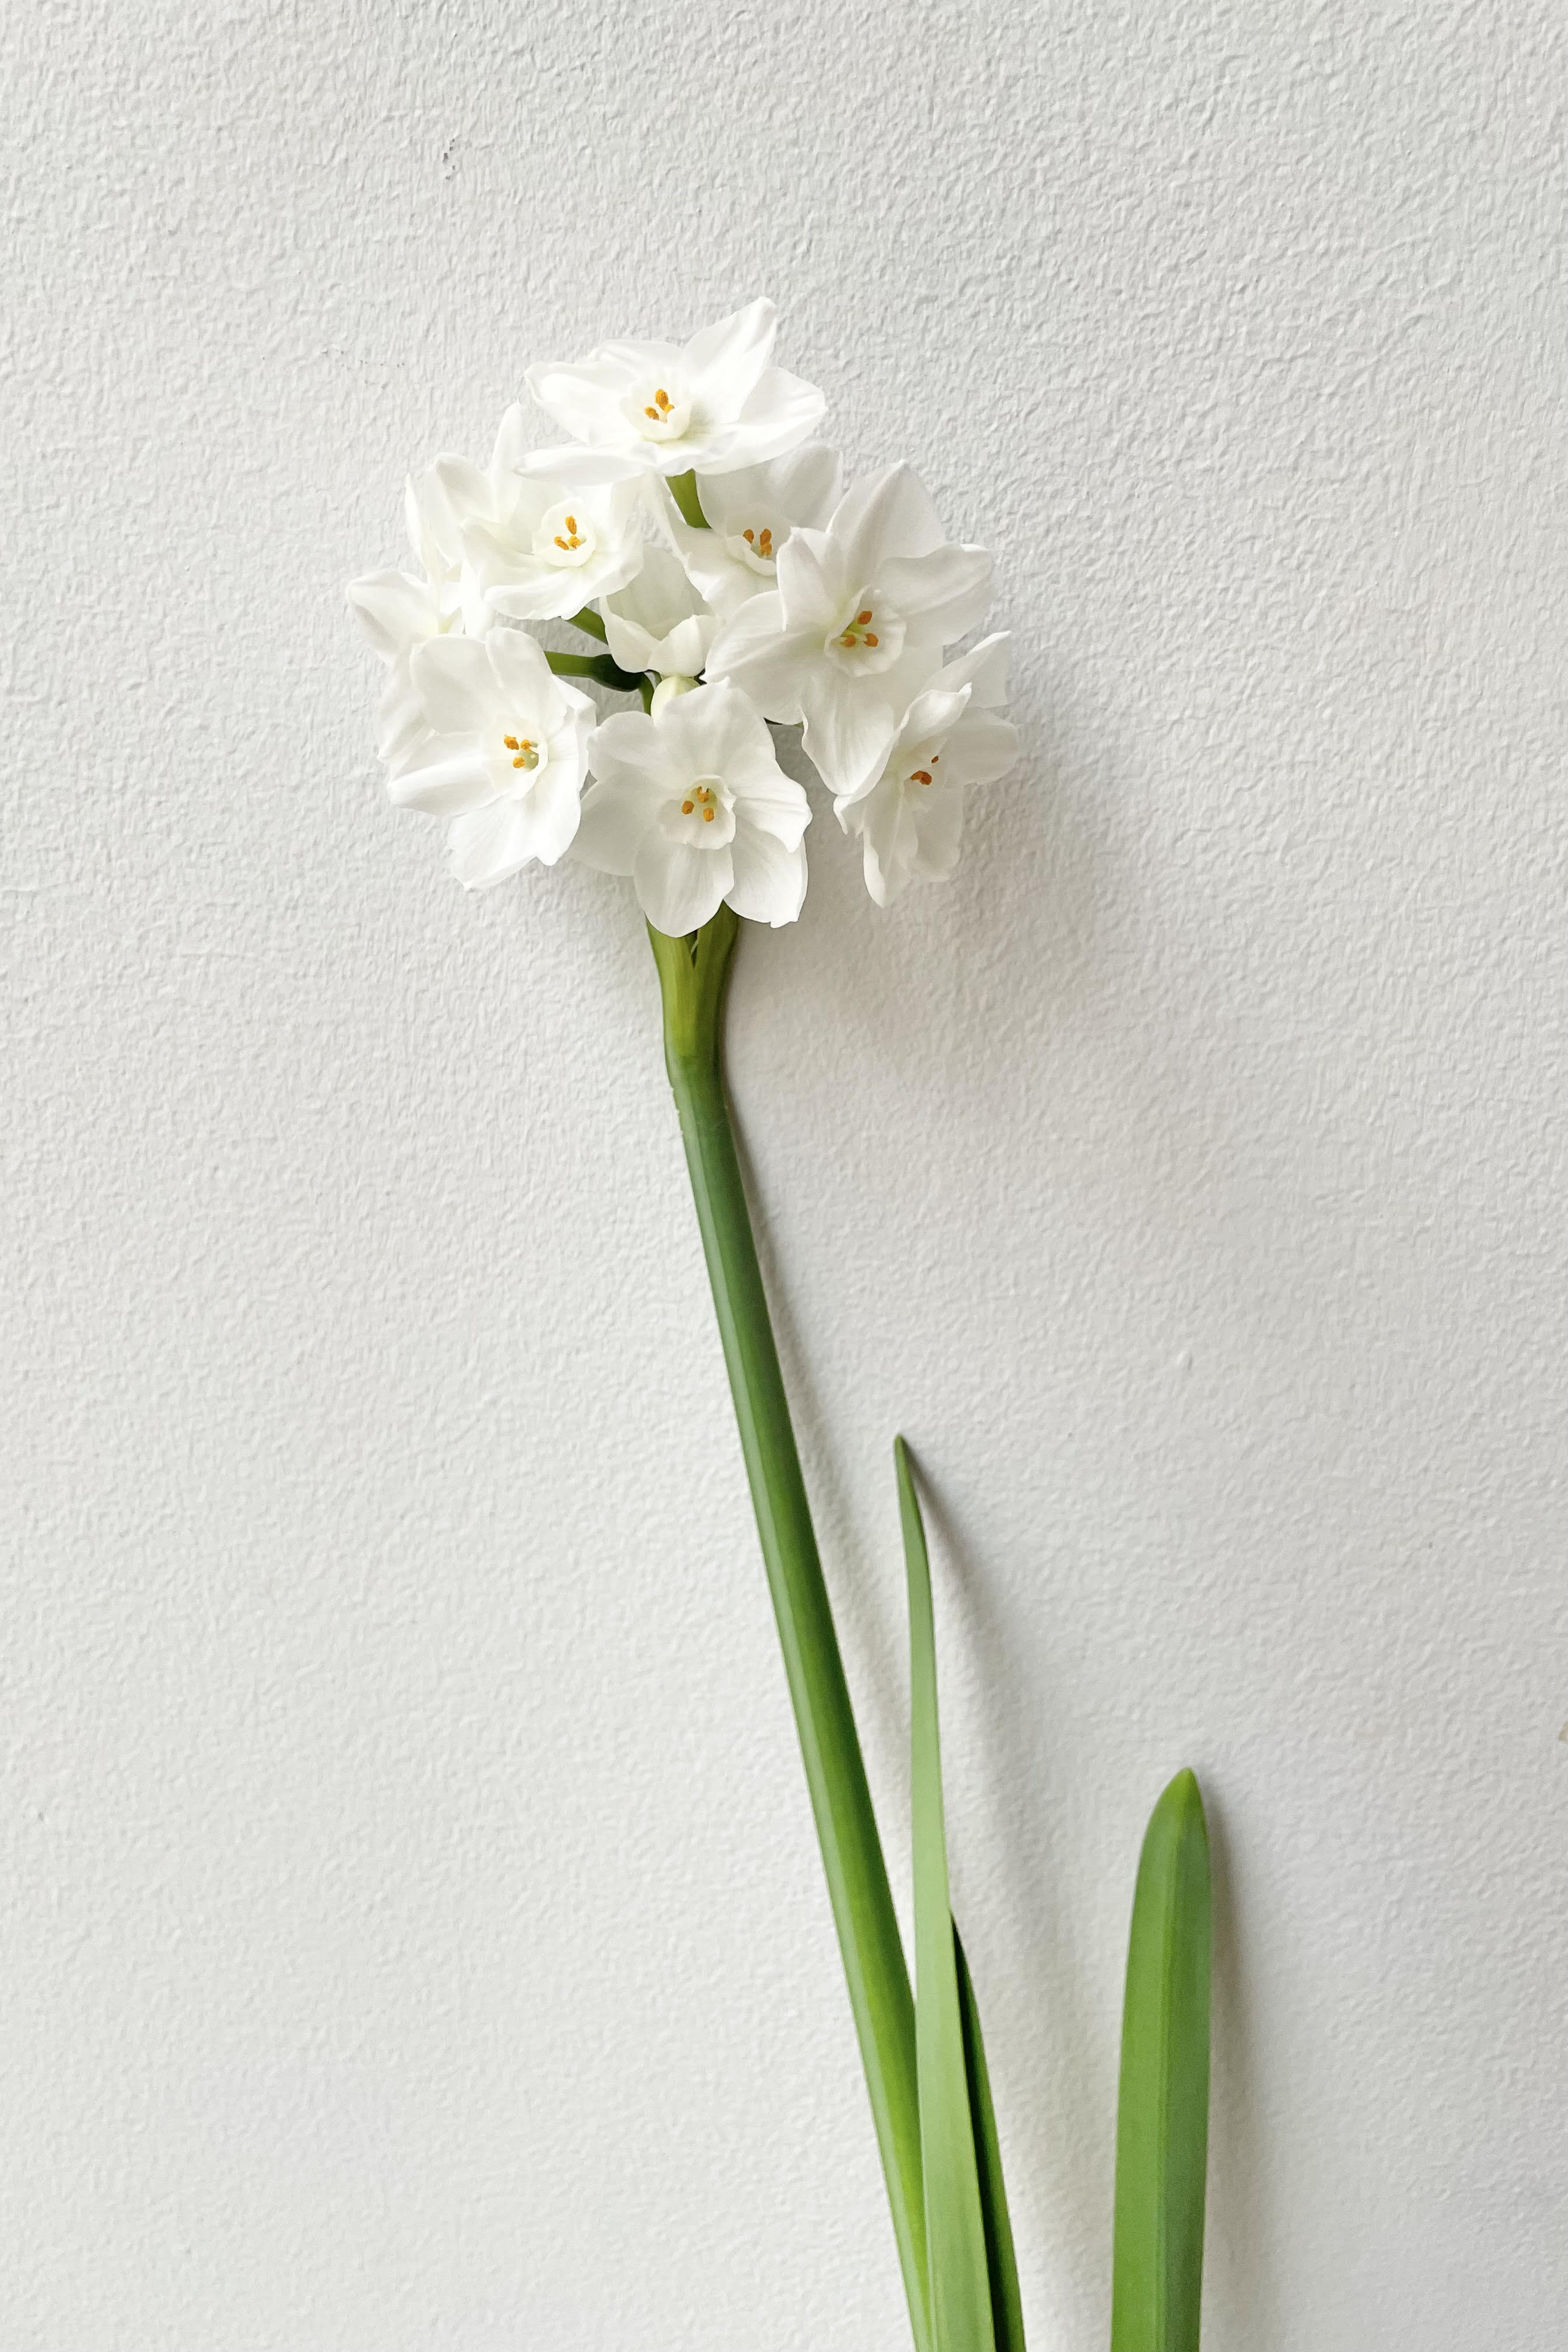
(693, 976)
(589, 621)
(598, 667)
(683, 490)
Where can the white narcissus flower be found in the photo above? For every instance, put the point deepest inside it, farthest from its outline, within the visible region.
(714, 404)
(693, 805)
(909, 818)
(399, 610)
(658, 622)
(749, 515)
(535, 549)
(860, 612)
(506, 756)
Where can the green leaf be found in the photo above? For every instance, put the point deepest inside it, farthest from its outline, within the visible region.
(1162, 2124)
(1006, 2308)
(955, 2230)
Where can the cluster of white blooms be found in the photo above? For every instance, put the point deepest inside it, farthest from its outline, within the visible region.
(695, 528)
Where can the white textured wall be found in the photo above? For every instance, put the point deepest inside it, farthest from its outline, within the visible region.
(413, 1933)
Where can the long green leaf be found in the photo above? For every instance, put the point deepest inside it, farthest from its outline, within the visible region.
(1162, 2124)
(1006, 2308)
(955, 2229)
(693, 974)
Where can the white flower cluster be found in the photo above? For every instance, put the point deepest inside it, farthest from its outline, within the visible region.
(693, 526)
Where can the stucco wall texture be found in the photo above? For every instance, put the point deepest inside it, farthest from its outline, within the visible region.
(414, 1936)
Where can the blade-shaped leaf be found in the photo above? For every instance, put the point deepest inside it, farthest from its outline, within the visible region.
(955, 2232)
(1162, 2124)
(1006, 2309)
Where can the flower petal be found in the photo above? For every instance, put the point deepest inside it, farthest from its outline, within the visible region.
(722, 362)
(467, 491)
(945, 591)
(456, 684)
(400, 720)
(449, 774)
(813, 581)
(939, 827)
(629, 641)
(983, 748)
(583, 466)
(781, 412)
(685, 650)
(680, 888)
(714, 729)
(394, 610)
(932, 713)
(554, 810)
(630, 749)
(769, 878)
(490, 845)
(615, 819)
(754, 650)
(886, 514)
(524, 680)
(984, 667)
(849, 732)
(584, 397)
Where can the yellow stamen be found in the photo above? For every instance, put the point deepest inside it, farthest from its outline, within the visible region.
(687, 807)
(707, 816)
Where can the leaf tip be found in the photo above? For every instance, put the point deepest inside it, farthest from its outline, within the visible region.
(1183, 1798)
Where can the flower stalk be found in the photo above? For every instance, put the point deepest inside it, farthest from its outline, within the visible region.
(694, 977)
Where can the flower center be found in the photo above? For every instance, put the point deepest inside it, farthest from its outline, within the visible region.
(658, 411)
(869, 636)
(525, 751)
(702, 801)
(756, 548)
(563, 539)
(923, 775)
(700, 816)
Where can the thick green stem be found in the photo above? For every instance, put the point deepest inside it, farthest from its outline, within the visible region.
(693, 975)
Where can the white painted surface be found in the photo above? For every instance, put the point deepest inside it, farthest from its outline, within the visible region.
(413, 1932)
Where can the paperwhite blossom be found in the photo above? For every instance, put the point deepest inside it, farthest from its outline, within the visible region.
(399, 610)
(693, 805)
(909, 818)
(505, 757)
(792, 601)
(536, 548)
(716, 403)
(658, 621)
(860, 612)
(749, 515)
